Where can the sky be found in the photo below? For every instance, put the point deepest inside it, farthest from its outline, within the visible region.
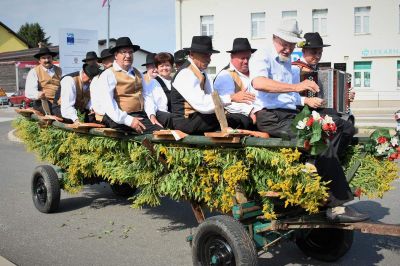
(149, 23)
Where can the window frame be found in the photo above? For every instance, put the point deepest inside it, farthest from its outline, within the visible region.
(362, 15)
(319, 15)
(204, 22)
(363, 72)
(258, 22)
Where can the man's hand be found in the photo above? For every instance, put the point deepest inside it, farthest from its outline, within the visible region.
(137, 125)
(306, 85)
(243, 97)
(77, 122)
(314, 102)
(154, 121)
(253, 117)
(352, 95)
(41, 95)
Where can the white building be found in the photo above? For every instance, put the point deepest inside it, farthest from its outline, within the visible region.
(364, 34)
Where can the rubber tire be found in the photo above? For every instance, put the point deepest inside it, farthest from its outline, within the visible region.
(10, 104)
(232, 232)
(123, 190)
(329, 244)
(46, 174)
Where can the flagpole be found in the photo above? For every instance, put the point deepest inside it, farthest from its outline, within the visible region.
(108, 24)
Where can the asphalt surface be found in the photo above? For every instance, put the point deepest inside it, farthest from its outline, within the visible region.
(95, 227)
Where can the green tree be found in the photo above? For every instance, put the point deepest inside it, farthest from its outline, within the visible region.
(33, 33)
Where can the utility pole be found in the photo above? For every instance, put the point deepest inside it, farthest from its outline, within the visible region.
(108, 23)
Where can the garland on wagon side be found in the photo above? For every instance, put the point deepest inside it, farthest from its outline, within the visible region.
(208, 175)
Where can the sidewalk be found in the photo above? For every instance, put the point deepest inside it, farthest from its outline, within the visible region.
(4, 262)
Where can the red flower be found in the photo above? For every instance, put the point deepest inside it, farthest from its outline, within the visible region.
(398, 149)
(381, 140)
(333, 127)
(326, 127)
(310, 122)
(307, 145)
(393, 156)
(358, 192)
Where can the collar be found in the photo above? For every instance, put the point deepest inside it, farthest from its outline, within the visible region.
(48, 69)
(119, 68)
(164, 79)
(312, 66)
(191, 61)
(233, 68)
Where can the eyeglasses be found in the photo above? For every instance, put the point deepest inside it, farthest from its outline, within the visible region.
(285, 44)
(126, 52)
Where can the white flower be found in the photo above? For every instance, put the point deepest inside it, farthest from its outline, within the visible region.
(327, 120)
(394, 141)
(381, 148)
(315, 115)
(301, 124)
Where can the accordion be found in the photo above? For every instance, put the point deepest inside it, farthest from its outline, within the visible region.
(334, 86)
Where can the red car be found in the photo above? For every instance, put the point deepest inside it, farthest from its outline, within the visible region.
(19, 99)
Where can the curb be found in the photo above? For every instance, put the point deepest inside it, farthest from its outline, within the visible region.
(12, 137)
(5, 262)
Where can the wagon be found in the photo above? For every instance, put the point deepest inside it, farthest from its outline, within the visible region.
(233, 238)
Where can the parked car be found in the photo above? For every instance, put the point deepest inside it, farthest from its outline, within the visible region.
(19, 98)
(3, 97)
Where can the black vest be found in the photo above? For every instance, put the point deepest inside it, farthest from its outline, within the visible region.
(177, 100)
(58, 92)
(166, 91)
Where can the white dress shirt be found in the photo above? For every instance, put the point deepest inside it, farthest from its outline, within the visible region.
(188, 85)
(266, 63)
(31, 84)
(160, 100)
(225, 86)
(95, 96)
(106, 86)
(68, 97)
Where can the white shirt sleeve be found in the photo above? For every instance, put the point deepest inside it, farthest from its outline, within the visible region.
(31, 85)
(150, 106)
(187, 84)
(106, 84)
(259, 65)
(68, 98)
(295, 74)
(225, 86)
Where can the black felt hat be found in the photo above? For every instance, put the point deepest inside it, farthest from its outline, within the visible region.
(201, 44)
(124, 42)
(240, 45)
(180, 56)
(90, 56)
(104, 54)
(313, 40)
(44, 51)
(149, 59)
(91, 70)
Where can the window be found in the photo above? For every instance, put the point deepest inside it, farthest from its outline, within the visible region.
(361, 20)
(398, 73)
(320, 21)
(207, 26)
(362, 74)
(257, 25)
(292, 14)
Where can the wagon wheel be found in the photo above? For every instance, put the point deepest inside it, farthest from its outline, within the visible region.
(221, 240)
(329, 244)
(123, 190)
(45, 189)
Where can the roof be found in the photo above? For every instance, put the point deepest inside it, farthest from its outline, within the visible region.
(23, 55)
(15, 34)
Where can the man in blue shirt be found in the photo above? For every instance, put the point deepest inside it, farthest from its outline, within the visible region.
(277, 98)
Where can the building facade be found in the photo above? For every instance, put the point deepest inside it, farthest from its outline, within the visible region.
(364, 36)
(10, 41)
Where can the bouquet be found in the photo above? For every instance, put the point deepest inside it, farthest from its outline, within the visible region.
(313, 130)
(382, 144)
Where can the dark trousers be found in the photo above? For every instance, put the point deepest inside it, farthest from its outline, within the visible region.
(88, 118)
(197, 123)
(240, 121)
(108, 122)
(37, 105)
(277, 123)
(165, 119)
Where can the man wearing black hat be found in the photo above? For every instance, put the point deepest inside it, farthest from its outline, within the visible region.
(124, 92)
(106, 60)
(73, 95)
(91, 58)
(151, 70)
(180, 57)
(191, 100)
(43, 80)
(232, 85)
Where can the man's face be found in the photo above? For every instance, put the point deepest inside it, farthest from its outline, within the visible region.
(124, 57)
(312, 55)
(240, 61)
(92, 62)
(85, 78)
(46, 61)
(151, 70)
(283, 48)
(107, 62)
(201, 60)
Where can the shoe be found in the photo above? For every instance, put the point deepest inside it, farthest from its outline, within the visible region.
(345, 214)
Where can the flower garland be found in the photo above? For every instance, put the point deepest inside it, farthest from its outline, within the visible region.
(382, 144)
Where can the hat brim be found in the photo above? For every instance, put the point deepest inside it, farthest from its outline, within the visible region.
(145, 64)
(134, 47)
(201, 51)
(288, 38)
(237, 51)
(87, 59)
(101, 59)
(37, 56)
(316, 46)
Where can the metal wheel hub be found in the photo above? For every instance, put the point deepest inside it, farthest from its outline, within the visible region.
(218, 252)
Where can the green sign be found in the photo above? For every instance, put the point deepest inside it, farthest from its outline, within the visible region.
(380, 52)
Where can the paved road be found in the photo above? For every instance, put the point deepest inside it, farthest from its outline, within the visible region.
(96, 228)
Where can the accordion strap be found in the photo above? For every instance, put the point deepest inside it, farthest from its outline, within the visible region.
(302, 65)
